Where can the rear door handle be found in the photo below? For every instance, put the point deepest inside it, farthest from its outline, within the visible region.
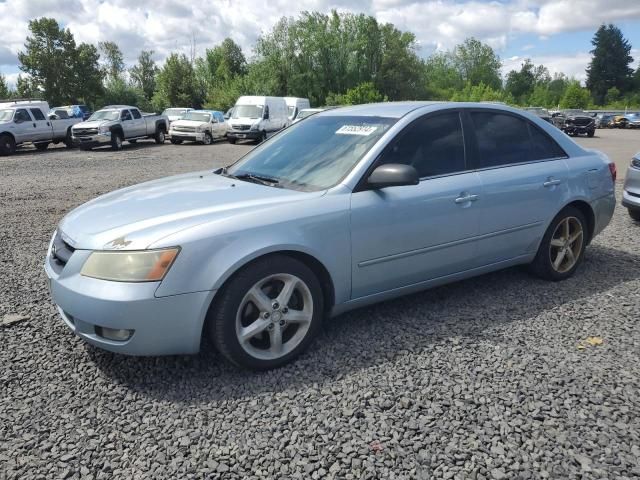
(464, 198)
(551, 182)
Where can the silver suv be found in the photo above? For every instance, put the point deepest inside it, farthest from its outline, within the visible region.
(631, 192)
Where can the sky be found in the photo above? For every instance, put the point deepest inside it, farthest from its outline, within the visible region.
(556, 33)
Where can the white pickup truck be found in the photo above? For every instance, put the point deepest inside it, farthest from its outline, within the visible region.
(114, 124)
(28, 121)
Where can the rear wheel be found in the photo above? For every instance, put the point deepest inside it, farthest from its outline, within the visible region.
(634, 214)
(562, 248)
(176, 141)
(267, 314)
(7, 145)
(232, 140)
(68, 139)
(116, 141)
(42, 146)
(133, 141)
(160, 136)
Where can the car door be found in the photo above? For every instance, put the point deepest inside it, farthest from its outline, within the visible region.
(409, 234)
(524, 179)
(138, 122)
(42, 129)
(24, 126)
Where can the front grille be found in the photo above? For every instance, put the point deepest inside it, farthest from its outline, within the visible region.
(61, 251)
(81, 132)
(179, 128)
(581, 122)
(241, 127)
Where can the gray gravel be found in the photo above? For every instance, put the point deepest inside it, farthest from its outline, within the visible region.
(479, 379)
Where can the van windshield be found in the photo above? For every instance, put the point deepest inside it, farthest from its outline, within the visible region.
(247, 111)
(5, 115)
(315, 154)
(105, 115)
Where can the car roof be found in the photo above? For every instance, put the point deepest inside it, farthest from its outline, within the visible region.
(400, 109)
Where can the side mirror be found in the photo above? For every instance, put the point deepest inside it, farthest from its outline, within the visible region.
(393, 175)
(53, 116)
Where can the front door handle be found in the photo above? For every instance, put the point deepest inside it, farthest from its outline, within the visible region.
(551, 182)
(465, 197)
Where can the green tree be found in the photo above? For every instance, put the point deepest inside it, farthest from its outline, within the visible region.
(27, 88)
(117, 91)
(86, 76)
(575, 96)
(521, 83)
(364, 93)
(613, 95)
(477, 63)
(47, 58)
(610, 64)
(113, 60)
(482, 93)
(144, 73)
(400, 75)
(4, 88)
(442, 78)
(176, 84)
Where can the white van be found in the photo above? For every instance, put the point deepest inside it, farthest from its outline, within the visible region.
(295, 104)
(254, 117)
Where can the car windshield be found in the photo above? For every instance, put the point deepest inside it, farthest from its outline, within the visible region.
(105, 115)
(174, 112)
(198, 116)
(247, 111)
(315, 154)
(5, 115)
(305, 113)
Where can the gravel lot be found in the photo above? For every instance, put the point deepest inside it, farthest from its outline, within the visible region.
(479, 379)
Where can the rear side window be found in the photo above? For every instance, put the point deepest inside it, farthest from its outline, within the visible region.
(136, 114)
(433, 145)
(37, 113)
(505, 139)
(125, 115)
(22, 115)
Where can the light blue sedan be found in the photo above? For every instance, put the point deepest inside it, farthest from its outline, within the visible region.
(350, 207)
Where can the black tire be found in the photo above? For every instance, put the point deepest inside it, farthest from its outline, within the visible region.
(42, 146)
(176, 141)
(634, 214)
(208, 139)
(133, 141)
(7, 145)
(160, 136)
(68, 139)
(591, 133)
(262, 138)
(116, 141)
(542, 265)
(221, 320)
(232, 140)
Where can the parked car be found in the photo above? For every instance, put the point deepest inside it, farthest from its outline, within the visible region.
(114, 124)
(574, 122)
(294, 105)
(541, 112)
(347, 208)
(628, 120)
(27, 121)
(631, 189)
(254, 117)
(77, 111)
(174, 114)
(307, 112)
(202, 126)
(604, 120)
(228, 113)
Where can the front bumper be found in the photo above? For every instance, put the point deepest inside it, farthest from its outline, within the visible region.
(579, 129)
(187, 136)
(92, 140)
(631, 189)
(167, 325)
(244, 134)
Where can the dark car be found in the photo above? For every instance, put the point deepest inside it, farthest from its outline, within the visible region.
(541, 112)
(604, 120)
(574, 122)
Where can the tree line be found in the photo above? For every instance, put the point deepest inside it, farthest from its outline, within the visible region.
(332, 59)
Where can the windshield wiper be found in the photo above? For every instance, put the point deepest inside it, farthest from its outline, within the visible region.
(262, 179)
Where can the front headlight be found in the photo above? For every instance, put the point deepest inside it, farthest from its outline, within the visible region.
(255, 127)
(200, 129)
(103, 130)
(133, 266)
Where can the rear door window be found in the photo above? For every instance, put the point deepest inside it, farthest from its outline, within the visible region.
(502, 139)
(125, 115)
(37, 114)
(136, 113)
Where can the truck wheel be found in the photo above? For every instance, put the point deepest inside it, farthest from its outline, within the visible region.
(591, 133)
(7, 145)
(42, 146)
(232, 140)
(634, 214)
(133, 141)
(207, 139)
(116, 141)
(159, 138)
(176, 141)
(263, 137)
(68, 139)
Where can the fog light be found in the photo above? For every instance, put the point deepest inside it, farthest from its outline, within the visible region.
(117, 334)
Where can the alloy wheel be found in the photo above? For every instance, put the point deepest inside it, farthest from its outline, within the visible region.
(566, 243)
(274, 316)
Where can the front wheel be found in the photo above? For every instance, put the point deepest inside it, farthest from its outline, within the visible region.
(232, 140)
(267, 314)
(591, 133)
(562, 248)
(176, 141)
(634, 214)
(7, 145)
(208, 139)
(116, 141)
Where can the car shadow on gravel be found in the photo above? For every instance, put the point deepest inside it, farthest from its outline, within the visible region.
(373, 335)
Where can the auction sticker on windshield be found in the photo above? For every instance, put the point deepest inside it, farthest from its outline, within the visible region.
(356, 130)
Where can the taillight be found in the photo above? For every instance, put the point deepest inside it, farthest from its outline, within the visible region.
(614, 171)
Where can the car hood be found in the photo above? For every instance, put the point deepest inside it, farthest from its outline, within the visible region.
(135, 217)
(188, 123)
(92, 124)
